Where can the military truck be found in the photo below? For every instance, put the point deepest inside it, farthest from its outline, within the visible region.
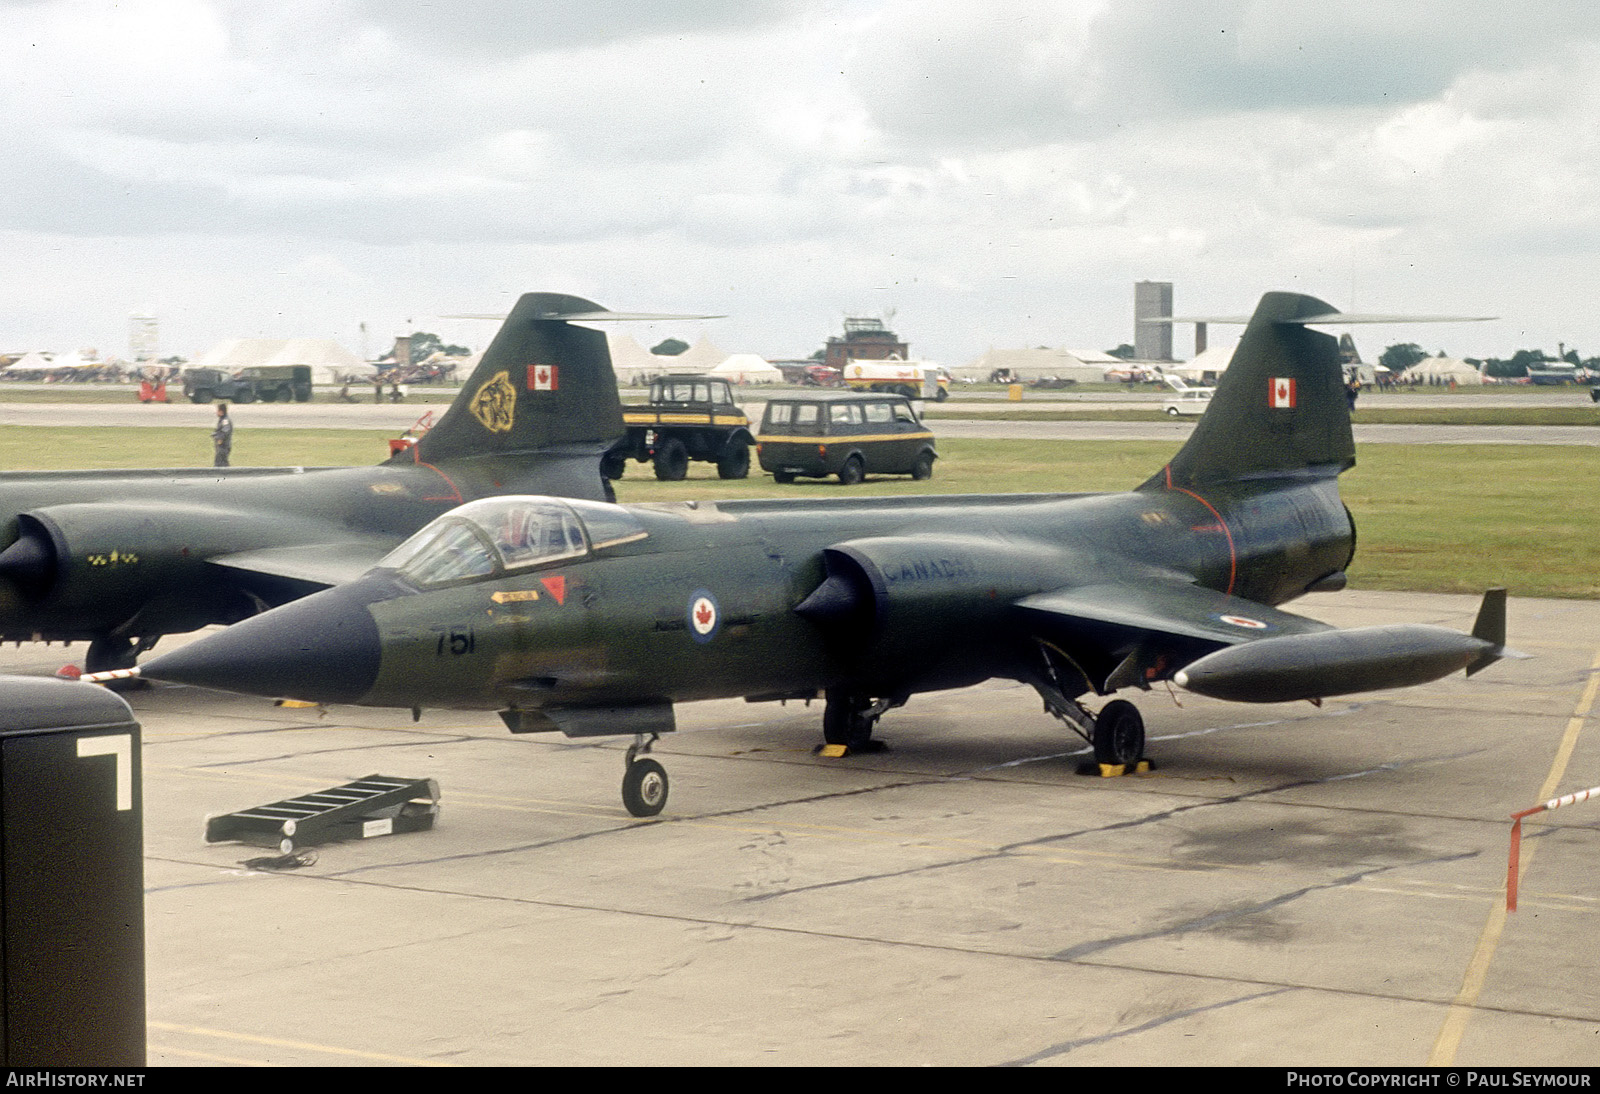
(687, 418)
(274, 383)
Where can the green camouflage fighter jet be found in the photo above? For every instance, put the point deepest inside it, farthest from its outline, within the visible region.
(595, 619)
(120, 558)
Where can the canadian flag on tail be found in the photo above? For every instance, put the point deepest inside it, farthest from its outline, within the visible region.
(541, 377)
(1281, 391)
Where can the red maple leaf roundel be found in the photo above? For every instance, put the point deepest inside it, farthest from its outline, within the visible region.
(702, 616)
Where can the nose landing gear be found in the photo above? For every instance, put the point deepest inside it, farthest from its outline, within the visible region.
(848, 717)
(644, 781)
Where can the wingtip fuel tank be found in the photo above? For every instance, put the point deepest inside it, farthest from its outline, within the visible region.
(1335, 662)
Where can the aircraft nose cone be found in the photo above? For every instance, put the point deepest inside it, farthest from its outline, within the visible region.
(324, 648)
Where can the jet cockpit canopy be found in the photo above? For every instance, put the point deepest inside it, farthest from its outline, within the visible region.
(496, 536)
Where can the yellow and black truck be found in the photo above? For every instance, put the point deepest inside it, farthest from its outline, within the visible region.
(687, 418)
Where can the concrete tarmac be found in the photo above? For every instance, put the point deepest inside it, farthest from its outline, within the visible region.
(1291, 886)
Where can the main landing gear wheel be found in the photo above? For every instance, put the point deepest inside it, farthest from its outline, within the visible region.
(644, 788)
(1119, 734)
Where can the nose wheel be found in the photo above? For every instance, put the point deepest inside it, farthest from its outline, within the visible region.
(644, 782)
(848, 717)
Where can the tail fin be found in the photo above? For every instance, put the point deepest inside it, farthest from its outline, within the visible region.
(1490, 627)
(541, 383)
(1280, 408)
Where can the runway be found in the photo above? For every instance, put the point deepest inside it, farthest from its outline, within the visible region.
(1293, 885)
(395, 418)
(1178, 431)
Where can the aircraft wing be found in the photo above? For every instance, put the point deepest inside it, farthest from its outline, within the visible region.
(1175, 609)
(313, 563)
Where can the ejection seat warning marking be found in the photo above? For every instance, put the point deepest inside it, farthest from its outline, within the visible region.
(703, 615)
(120, 746)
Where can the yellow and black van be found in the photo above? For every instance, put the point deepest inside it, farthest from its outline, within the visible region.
(844, 434)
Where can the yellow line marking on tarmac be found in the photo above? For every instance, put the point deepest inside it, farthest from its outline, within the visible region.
(1455, 1022)
(279, 1042)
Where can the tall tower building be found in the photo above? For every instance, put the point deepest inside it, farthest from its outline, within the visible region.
(1152, 341)
(143, 337)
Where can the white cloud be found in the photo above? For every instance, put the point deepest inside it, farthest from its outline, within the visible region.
(998, 172)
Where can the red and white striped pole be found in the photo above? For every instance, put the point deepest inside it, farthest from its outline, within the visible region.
(1516, 837)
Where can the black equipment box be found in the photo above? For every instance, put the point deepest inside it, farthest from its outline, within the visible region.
(71, 877)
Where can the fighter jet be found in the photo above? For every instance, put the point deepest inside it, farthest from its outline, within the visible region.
(594, 619)
(120, 558)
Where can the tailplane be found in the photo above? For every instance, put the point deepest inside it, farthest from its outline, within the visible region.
(542, 383)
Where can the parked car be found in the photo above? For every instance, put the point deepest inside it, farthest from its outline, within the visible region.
(1191, 400)
(844, 434)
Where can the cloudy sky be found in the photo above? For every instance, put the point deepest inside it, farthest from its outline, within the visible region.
(998, 173)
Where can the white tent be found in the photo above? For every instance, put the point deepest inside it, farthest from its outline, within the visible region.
(1033, 364)
(36, 361)
(747, 368)
(1440, 371)
(73, 360)
(330, 362)
(703, 356)
(633, 363)
(1206, 368)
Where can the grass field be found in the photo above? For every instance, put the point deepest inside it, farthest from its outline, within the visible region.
(1430, 518)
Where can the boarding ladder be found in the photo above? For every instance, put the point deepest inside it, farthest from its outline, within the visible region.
(377, 805)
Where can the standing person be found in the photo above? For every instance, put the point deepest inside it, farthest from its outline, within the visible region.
(222, 436)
